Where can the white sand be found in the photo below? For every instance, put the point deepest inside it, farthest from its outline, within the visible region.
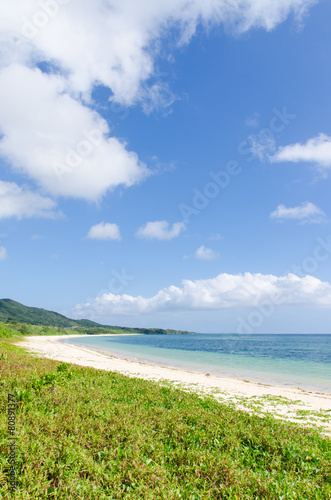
(290, 403)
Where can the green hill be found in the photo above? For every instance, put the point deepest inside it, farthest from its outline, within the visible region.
(10, 311)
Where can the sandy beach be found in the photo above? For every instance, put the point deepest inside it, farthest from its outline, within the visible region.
(290, 403)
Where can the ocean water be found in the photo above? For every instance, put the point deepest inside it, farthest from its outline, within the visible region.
(290, 360)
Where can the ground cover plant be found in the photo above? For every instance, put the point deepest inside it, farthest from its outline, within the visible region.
(14, 328)
(87, 434)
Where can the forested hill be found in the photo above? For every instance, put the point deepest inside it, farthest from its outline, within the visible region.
(12, 311)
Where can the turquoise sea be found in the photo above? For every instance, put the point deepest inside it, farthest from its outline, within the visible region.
(290, 360)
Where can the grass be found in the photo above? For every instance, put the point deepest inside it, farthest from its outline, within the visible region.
(14, 328)
(88, 434)
(8, 330)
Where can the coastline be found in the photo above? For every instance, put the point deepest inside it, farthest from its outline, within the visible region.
(285, 402)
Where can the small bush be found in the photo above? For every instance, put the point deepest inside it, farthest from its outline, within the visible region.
(24, 329)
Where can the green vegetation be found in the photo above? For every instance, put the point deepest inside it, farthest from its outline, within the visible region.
(15, 329)
(89, 434)
(14, 312)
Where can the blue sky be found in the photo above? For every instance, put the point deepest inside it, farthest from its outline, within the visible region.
(167, 164)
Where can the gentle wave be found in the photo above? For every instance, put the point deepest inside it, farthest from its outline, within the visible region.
(292, 360)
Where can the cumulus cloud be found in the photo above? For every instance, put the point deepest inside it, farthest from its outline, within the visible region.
(204, 253)
(104, 231)
(316, 150)
(223, 292)
(58, 142)
(307, 212)
(19, 202)
(160, 230)
(116, 38)
(3, 254)
(49, 129)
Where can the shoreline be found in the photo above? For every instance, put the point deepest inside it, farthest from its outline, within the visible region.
(285, 402)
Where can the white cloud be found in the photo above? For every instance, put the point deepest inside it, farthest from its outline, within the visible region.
(253, 120)
(36, 237)
(223, 292)
(307, 212)
(58, 142)
(262, 145)
(215, 236)
(19, 202)
(204, 253)
(3, 254)
(316, 150)
(45, 117)
(113, 38)
(160, 230)
(104, 231)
